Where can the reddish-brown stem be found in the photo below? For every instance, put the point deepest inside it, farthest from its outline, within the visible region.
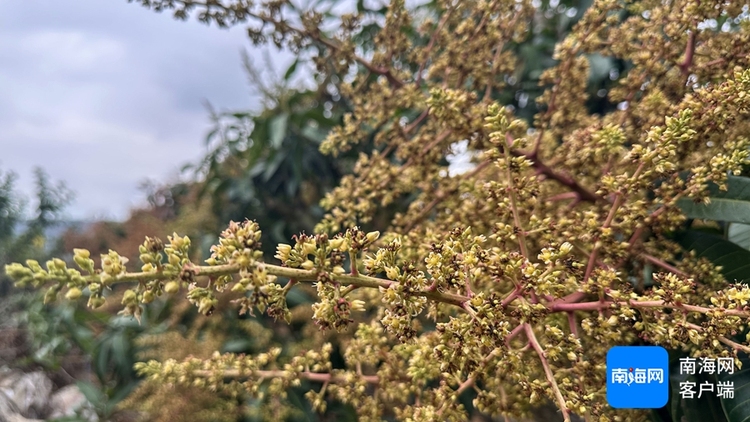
(469, 310)
(619, 199)
(565, 180)
(572, 323)
(571, 298)
(413, 125)
(610, 217)
(562, 196)
(656, 261)
(723, 339)
(689, 52)
(513, 334)
(716, 61)
(511, 297)
(311, 376)
(353, 263)
(345, 291)
(547, 371)
(607, 304)
(466, 384)
(639, 231)
(534, 298)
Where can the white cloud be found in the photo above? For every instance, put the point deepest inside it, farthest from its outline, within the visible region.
(104, 94)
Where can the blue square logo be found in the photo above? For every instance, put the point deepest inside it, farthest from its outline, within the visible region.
(637, 377)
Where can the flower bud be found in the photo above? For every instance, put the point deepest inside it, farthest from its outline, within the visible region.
(73, 293)
(84, 263)
(565, 248)
(177, 242)
(282, 252)
(308, 248)
(148, 296)
(174, 260)
(336, 243)
(358, 305)
(96, 301)
(50, 296)
(59, 263)
(372, 236)
(128, 297)
(172, 287)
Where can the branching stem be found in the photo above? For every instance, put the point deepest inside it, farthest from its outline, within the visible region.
(547, 371)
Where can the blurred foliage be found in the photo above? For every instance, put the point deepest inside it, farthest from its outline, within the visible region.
(71, 343)
(27, 327)
(23, 238)
(268, 165)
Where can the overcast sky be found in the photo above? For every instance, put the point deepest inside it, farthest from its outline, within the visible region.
(104, 94)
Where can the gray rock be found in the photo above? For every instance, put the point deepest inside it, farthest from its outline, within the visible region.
(69, 400)
(9, 411)
(30, 392)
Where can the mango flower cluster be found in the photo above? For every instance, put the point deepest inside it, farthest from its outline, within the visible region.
(505, 285)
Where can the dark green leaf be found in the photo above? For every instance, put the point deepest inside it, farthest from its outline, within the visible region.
(599, 67)
(706, 408)
(730, 205)
(93, 393)
(737, 409)
(240, 345)
(740, 234)
(291, 69)
(734, 260)
(272, 167)
(278, 129)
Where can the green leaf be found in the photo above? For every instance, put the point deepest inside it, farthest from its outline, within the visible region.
(271, 167)
(706, 408)
(731, 205)
(739, 234)
(238, 345)
(93, 393)
(278, 129)
(737, 409)
(290, 71)
(734, 260)
(599, 67)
